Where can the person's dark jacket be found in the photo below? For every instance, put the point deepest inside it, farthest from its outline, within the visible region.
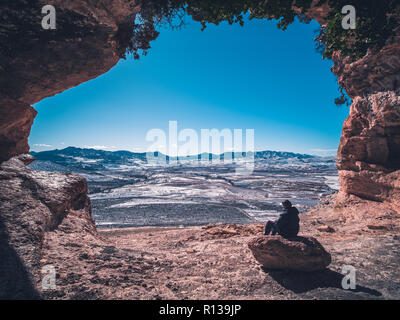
(288, 223)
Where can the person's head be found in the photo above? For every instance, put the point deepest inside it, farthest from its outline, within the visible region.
(286, 204)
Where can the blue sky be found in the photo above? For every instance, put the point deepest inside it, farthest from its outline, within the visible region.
(252, 77)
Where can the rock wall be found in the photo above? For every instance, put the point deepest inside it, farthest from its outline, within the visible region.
(368, 156)
(33, 203)
(16, 119)
(369, 151)
(37, 63)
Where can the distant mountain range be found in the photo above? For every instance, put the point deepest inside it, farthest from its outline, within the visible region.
(123, 156)
(93, 159)
(57, 155)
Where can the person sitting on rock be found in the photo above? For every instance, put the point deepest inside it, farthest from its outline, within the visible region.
(287, 225)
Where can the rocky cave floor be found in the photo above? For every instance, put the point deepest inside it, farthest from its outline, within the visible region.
(214, 262)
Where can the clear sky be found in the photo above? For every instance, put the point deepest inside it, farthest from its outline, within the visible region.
(252, 77)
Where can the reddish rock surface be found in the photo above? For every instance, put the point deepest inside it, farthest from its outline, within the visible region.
(16, 119)
(214, 262)
(299, 253)
(45, 220)
(33, 203)
(41, 63)
(369, 151)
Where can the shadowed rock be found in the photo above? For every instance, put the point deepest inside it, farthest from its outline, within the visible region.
(299, 253)
(33, 203)
(16, 119)
(37, 63)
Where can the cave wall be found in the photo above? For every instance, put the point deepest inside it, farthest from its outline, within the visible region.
(37, 63)
(33, 204)
(16, 119)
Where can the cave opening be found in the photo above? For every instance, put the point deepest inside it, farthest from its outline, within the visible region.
(226, 76)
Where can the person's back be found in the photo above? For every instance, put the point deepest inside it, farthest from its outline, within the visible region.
(288, 222)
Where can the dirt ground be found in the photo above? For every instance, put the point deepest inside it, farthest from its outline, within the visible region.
(214, 262)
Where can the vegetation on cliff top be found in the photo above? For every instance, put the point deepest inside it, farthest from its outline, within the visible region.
(376, 20)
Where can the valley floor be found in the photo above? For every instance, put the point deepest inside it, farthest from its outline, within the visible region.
(214, 262)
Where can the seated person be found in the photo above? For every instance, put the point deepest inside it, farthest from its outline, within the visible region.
(287, 225)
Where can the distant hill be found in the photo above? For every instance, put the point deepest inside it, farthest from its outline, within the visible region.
(82, 159)
(77, 159)
(89, 154)
(123, 155)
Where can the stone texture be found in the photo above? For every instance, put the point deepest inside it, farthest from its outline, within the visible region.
(300, 253)
(31, 204)
(45, 219)
(318, 11)
(375, 72)
(16, 119)
(369, 151)
(41, 63)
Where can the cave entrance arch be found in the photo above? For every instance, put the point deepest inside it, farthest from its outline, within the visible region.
(221, 64)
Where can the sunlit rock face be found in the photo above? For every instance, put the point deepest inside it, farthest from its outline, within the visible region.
(37, 63)
(369, 150)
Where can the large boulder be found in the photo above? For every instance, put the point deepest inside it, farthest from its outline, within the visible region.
(38, 209)
(299, 253)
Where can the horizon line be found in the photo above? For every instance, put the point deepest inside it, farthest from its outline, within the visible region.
(191, 155)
